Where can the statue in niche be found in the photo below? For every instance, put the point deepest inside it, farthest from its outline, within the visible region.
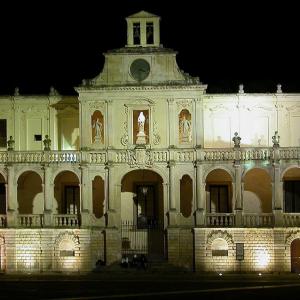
(141, 136)
(141, 122)
(97, 127)
(185, 127)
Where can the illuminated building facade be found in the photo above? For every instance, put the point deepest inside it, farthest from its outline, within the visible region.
(144, 161)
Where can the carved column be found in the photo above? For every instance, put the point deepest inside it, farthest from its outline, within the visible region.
(48, 187)
(12, 205)
(110, 203)
(172, 201)
(172, 123)
(199, 123)
(108, 124)
(277, 192)
(238, 195)
(200, 199)
(86, 203)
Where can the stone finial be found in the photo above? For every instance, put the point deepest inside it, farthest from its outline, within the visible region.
(53, 91)
(279, 90)
(275, 140)
(236, 140)
(17, 92)
(47, 143)
(10, 144)
(241, 89)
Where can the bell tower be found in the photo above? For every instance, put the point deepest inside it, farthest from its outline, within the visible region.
(143, 30)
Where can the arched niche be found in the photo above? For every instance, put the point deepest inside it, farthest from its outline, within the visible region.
(97, 127)
(186, 195)
(98, 197)
(185, 127)
(291, 190)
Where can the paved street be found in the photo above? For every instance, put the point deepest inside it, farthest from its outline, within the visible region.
(146, 285)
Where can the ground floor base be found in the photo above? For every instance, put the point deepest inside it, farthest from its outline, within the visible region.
(201, 249)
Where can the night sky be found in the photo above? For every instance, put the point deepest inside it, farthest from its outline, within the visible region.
(223, 42)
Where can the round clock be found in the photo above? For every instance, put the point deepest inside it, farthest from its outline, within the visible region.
(140, 69)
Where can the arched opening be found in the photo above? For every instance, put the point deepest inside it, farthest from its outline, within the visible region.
(291, 189)
(142, 213)
(295, 256)
(67, 193)
(186, 195)
(30, 193)
(98, 197)
(257, 194)
(219, 192)
(2, 197)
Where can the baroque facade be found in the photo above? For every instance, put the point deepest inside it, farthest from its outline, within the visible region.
(144, 161)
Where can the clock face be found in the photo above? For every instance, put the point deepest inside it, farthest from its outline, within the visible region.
(140, 69)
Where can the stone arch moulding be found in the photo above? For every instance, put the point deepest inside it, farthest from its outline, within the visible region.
(266, 170)
(219, 234)
(293, 235)
(21, 171)
(124, 171)
(285, 170)
(59, 170)
(210, 169)
(70, 236)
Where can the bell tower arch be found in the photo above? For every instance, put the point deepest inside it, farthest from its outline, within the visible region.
(143, 30)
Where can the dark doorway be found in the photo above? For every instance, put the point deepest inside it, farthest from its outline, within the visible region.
(292, 196)
(71, 203)
(2, 199)
(295, 256)
(219, 199)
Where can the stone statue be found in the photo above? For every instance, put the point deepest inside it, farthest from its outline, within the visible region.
(141, 122)
(279, 90)
(141, 136)
(10, 144)
(275, 140)
(17, 92)
(236, 140)
(47, 143)
(98, 130)
(241, 89)
(185, 128)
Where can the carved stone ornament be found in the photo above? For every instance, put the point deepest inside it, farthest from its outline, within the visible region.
(139, 158)
(125, 137)
(156, 137)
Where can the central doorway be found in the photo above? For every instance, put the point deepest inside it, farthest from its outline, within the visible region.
(142, 214)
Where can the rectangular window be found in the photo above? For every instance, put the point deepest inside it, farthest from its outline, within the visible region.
(37, 137)
(66, 253)
(3, 135)
(149, 33)
(136, 34)
(239, 251)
